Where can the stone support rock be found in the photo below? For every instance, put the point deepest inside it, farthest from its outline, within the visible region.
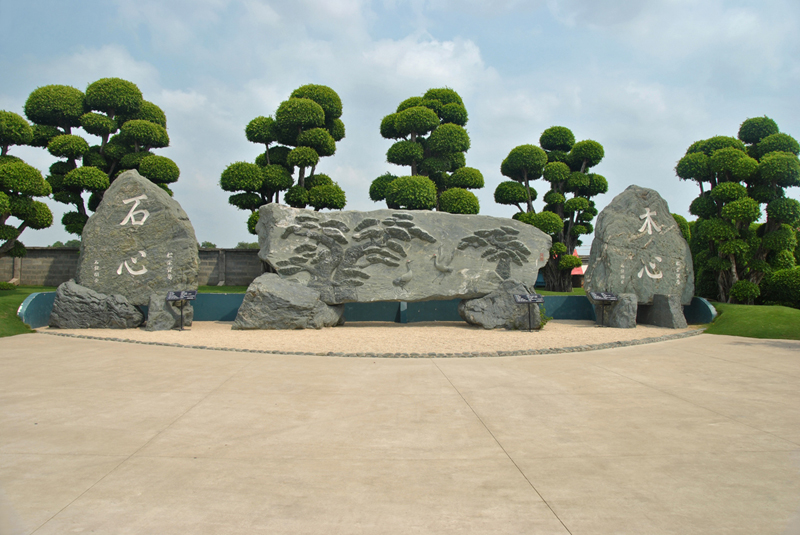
(272, 302)
(620, 314)
(78, 307)
(163, 315)
(499, 310)
(666, 311)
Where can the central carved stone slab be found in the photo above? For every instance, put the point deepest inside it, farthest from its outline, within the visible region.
(398, 255)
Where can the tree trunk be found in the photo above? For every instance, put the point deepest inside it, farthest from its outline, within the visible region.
(555, 279)
(301, 179)
(528, 191)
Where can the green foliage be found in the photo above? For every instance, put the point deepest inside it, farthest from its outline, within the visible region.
(208, 245)
(86, 178)
(147, 112)
(241, 176)
(525, 162)
(569, 210)
(754, 130)
(683, 225)
(98, 124)
(405, 153)
(324, 96)
(247, 245)
(568, 262)
(68, 146)
(459, 201)
(74, 222)
(159, 169)
(329, 196)
(144, 134)
(694, 166)
(744, 210)
(299, 113)
(411, 192)
(68, 243)
(781, 169)
(771, 322)
(558, 138)
(18, 178)
(318, 139)
(296, 196)
(782, 287)
(252, 221)
(55, 105)
(14, 130)
(512, 193)
(6, 286)
(418, 120)
(432, 141)
(113, 96)
(261, 130)
(377, 190)
(778, 142)
(784, 210)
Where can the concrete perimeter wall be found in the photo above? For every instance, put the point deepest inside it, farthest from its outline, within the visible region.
(51, 266)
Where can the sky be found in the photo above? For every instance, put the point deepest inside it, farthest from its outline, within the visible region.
(645, 78)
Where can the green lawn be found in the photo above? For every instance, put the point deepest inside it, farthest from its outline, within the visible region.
(222, 289)
(756, 321)
(10, 300)
(575, 291)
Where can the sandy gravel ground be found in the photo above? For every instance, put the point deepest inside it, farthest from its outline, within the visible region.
(380, 337)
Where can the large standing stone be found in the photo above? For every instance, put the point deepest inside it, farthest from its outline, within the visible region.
(139, 242)
(275, 303)
(638, 248)
(499, 309)
(78, 307)
(396, 255)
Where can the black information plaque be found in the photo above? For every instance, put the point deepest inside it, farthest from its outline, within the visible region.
(522, 299)
(603, 296)
(181, 295)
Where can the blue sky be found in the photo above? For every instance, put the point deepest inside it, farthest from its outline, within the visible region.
(643, 78)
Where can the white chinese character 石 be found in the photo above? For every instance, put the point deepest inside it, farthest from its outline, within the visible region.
(134, 260)
(134, 212)
(656, 274)
(649, 224)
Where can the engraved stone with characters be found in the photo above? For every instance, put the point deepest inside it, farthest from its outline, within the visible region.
(398, 255)
(139, 242)
(639, 249)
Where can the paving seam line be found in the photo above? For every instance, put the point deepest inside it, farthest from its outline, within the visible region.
(515, 353)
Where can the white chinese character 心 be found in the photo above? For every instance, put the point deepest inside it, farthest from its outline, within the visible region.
(134, 260)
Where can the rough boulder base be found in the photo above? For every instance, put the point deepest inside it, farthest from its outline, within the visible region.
(139, 242)
(666, 311)
(78, 307)
(275, 303)
(638, 248)
(620, 314)
(163, 315)
(499, 310)
(398, 255)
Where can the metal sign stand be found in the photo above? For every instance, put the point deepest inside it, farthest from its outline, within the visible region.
(604, 299)
(180, 297)
(529, 299)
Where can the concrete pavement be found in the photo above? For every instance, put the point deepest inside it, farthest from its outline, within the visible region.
(699, 435)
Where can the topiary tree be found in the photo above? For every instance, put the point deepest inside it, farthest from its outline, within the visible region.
(565, 164)
(128, 126)
(305, 128)
(732, 252)
(20, 183)
(431, 140)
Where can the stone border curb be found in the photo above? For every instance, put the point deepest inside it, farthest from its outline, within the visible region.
(516, 353)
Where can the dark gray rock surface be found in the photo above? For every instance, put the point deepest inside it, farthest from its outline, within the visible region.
(139, 242)
(620, 314)
(665, 311)
(78, 307)
(398, 255)
(163, 315)
(638, 248)
(272, 302)
(499, 310)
